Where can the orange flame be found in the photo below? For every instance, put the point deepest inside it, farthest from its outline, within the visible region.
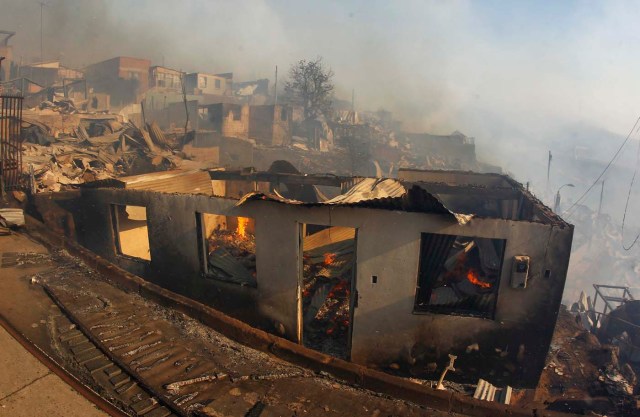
(472, 276)
(242, 227)
(329, 258)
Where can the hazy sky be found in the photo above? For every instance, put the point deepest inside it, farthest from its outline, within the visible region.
(535, 62)
(512, 74)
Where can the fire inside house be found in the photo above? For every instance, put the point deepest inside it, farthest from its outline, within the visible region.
(318, 273)
(188, 230)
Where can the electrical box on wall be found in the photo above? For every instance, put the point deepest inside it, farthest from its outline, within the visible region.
(520, 271)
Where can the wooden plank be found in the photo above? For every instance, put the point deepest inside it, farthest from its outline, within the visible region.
(328, 180)
(148, 141)
(328, 236)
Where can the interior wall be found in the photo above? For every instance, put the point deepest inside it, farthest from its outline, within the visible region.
(261, 123)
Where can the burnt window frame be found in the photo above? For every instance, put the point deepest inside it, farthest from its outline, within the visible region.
(115, 228)
(203, 255)
(429, 282)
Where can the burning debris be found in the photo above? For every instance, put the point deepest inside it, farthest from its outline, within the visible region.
(231, 253)
(328, 267)
(462, 275)
(593, 363)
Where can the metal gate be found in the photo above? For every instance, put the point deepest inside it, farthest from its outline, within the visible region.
(10, 141)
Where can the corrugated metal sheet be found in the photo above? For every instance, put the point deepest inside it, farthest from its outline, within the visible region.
(370, 189)
(177, 181)
(385, 194)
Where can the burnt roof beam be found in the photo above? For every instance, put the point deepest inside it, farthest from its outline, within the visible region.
(498, 193)
(328, 180)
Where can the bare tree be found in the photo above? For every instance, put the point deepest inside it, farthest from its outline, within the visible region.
(310, 86)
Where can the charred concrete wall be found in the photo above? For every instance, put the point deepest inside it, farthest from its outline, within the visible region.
(508, 348)
(175, 115)
(459, 149)
(123, 78)
(165, 78)
(270, 125)
(231, 152)
(230, 120)
(200, 83)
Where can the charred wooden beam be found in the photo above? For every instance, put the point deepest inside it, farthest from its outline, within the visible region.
(329, 180)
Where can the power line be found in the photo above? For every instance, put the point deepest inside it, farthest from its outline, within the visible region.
(626, 206)
(606, 168)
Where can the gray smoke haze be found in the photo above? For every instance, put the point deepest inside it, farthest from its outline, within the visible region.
(522, 78)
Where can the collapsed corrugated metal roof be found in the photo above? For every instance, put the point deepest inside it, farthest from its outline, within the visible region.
(379, 193)
(175, 181)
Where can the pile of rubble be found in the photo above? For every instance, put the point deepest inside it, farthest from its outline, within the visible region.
(95, 150)
(588, 374)
(328, 262)
(60, 105)
(232, 255)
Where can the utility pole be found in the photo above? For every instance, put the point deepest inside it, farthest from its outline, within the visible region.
(1, 75)
(276, 87)
(549, 169)
(601, 198)
(598, 217)
(42, 5)
(353, 99)
(556, 205)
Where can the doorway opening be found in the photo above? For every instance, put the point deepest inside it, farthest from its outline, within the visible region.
(327, 288)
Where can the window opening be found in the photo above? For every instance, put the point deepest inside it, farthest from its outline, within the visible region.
(459, 274)
(131, 231)
(228, 248)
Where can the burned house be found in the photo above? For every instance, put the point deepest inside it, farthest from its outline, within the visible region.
(175, 115)
(8, 67)
(123, 78)
(50, 73)
(225, 119)
(270, 125)
(401, 272)
(200, 83)
(215, 150)
(454, 151)
(255, 93)
(165, 78)
(49, 81)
